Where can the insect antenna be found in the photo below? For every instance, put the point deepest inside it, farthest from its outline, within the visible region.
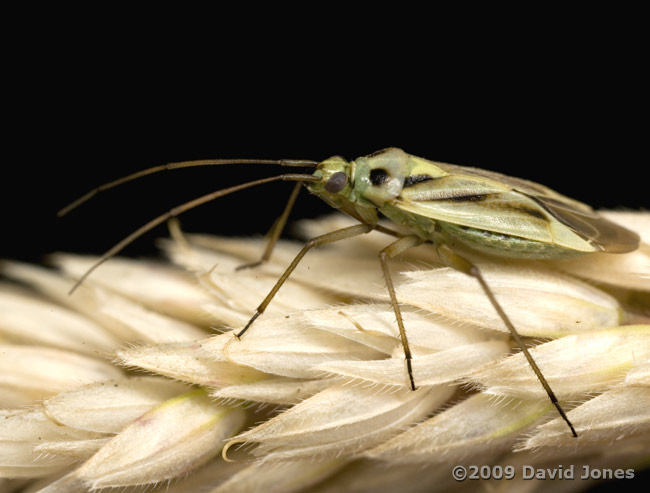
(186, 207)
(177, 165)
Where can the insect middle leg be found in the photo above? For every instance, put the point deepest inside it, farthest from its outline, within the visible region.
(456, 261)
(339, 234)
(391, 251)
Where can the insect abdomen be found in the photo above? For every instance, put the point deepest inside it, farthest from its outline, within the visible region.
(505, 245)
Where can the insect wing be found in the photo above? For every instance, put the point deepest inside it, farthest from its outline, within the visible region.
(603, 234)
(498, 203)
(474, 202)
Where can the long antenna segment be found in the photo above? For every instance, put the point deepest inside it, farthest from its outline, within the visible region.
(177, 165)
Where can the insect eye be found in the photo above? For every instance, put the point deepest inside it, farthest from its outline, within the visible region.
(336, 183)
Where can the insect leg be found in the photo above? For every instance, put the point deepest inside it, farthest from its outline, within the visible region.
(339, 234)
(276, 230)
(454, 260)
(391, 251)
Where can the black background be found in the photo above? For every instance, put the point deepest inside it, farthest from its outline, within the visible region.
(566, 108)
(591, 149)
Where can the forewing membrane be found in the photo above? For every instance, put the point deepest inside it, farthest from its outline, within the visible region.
(600, 232)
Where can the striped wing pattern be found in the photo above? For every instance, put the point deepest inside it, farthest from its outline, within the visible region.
(498, 203)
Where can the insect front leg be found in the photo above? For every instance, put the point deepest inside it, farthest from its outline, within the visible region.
(391, 251)
(339, 234)
(456, 261)
(276, 230)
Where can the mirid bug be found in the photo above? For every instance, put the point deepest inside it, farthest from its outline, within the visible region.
(436, 203)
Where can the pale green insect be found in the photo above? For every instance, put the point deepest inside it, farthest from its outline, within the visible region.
(435, 202)
(487, 211)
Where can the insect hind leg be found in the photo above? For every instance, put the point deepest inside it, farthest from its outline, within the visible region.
(456, 261)
(391, 251)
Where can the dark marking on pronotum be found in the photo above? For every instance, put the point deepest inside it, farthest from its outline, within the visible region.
(415, 179)
(378, 176)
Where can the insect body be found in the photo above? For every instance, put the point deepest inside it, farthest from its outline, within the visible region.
(435, 202)
(484, 210)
